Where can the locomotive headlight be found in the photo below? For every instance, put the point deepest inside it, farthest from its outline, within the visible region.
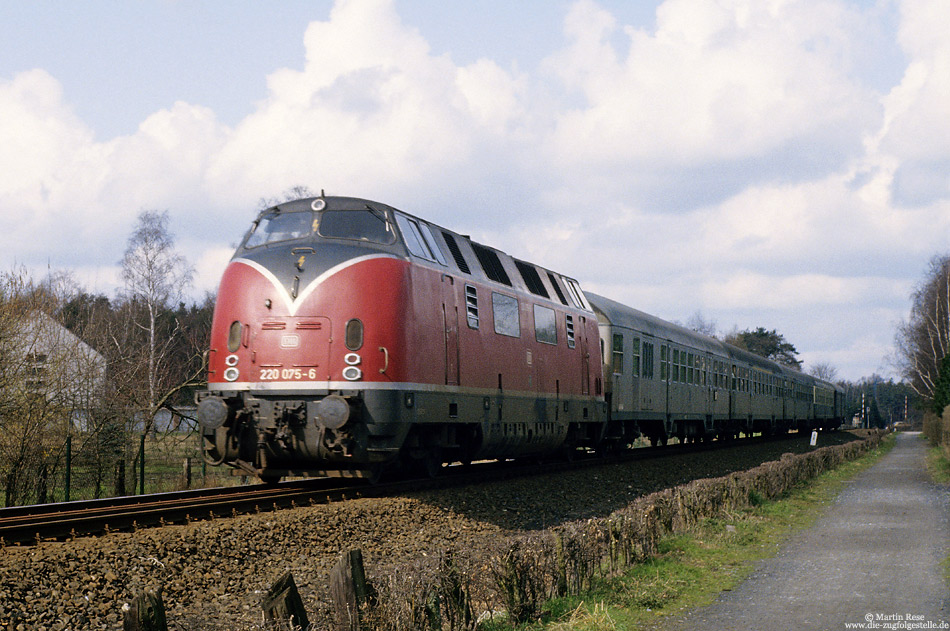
(231, 373)
(234, 336)
(352, 373)
(354, 335)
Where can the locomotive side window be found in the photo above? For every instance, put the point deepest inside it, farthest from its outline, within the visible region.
(471, 306)
(545, 325)
(575, 291)
(415, 242)
(433, 246)
(279, 226)
(507, 317)
(361, 225)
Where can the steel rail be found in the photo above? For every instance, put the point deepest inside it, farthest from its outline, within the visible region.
(33, 524)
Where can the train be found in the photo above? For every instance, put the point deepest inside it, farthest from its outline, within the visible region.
(352, 339)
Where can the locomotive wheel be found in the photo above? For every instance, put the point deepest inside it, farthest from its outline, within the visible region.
(427, 465)
(568, 452)
(269, 478)
(375, 473)
(431, 465)
(659, 440)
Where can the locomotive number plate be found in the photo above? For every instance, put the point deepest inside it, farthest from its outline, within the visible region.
(288, 374)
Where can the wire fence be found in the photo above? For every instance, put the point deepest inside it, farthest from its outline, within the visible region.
(137, 464)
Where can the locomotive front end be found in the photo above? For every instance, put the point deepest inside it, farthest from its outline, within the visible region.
(303, 343)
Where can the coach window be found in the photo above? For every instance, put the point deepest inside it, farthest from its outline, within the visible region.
(664, 362)
(676, 364)
(507, 318)
(648, 360)
(545, 325)
(616, 358)
(690, 371)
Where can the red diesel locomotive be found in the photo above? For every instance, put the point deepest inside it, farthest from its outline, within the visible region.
(349, 336)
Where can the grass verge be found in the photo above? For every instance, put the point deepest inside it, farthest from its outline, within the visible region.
(938, 465)
(691, 569)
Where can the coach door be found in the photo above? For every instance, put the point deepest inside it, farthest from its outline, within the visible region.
(732, 383)
(450, 315)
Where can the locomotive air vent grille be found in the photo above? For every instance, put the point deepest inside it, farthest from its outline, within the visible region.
(456, 253)
(532, 279)
(557, 289)
(491, 264)
(310, 326)
(273, 326)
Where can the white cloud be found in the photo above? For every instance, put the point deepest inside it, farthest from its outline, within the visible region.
(372, 111)
(209, 267)
(717, 81)
(42, 144)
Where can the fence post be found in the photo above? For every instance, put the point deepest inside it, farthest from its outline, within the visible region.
(146, 612)
(349, 589)
(186, 472)
(119, 486)
(283, 603)
(142, 466)
(69, 466)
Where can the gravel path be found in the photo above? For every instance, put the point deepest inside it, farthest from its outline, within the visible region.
(875, 559)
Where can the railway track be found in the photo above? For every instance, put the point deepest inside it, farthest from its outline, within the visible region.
(26, 525)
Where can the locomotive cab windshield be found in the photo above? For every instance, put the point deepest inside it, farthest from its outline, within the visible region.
(365, 224)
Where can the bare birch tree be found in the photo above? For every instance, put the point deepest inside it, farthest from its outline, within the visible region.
(155, 277)
(924, 339)
(823, 370)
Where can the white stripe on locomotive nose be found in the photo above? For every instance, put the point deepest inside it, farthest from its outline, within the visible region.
(292, 304)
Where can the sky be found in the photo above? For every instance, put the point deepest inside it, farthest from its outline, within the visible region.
(773, 163)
